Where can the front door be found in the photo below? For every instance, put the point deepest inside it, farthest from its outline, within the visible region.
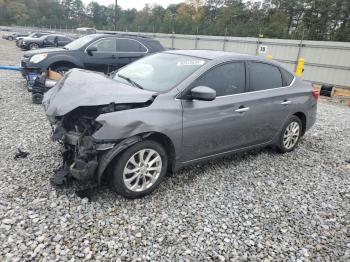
(105, 59)
(213, 127)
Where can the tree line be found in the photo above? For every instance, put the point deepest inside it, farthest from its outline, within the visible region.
(289, 19)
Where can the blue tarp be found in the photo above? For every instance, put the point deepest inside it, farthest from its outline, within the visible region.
(14, 68)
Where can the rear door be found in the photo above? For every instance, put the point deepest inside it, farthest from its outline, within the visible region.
(268, 99)
(49, 41)
(105, 59)
(62, 41)
(129, 50)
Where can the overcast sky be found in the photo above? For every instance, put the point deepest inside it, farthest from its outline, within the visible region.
(138, 4)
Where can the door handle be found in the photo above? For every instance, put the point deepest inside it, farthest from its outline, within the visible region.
(114, 56)
(286, 102)
(242, 109)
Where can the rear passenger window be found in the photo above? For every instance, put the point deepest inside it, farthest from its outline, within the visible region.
(226, 79)
(51, 38)
(288, 77)
(105, 45)
(131, 46)
(264, 76)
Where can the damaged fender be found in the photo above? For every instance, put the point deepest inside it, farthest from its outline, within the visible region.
(108, 156)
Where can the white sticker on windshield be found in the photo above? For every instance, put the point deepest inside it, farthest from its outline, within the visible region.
(191, 63)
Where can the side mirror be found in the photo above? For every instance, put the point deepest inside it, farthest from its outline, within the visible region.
(91, 49)
(203, 93)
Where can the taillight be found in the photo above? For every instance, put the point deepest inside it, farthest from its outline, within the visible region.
(315, 94)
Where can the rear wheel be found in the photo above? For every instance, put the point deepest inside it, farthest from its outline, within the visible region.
(33, 46)
(10, 38)
(290, 135)
(140, 169)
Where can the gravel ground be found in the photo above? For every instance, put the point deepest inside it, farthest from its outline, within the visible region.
(253, 206)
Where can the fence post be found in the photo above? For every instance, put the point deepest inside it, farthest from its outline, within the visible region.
(299, 51)
(224, 43)
(172, 40)
(257, 46)
(196, 40)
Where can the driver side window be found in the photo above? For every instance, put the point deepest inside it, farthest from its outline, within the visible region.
(225, 79)
(106, 45)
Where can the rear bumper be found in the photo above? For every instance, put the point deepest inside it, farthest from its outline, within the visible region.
(312, 116)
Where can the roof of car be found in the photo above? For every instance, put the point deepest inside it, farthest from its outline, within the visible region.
(212, 54)
(140, 37)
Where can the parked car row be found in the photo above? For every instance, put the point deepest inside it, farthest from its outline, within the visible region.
(12, 36)
(52, 40)
(35, 40)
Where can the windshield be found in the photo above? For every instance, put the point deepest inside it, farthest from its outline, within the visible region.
(77, 44)
(159, 72)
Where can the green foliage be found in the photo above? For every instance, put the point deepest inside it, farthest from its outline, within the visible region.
(312, 19)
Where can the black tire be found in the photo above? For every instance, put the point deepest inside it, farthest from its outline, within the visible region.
(61, 69)
(10, 38)
(120, 162)
(37, 98)
(281, 146)
(33, 46)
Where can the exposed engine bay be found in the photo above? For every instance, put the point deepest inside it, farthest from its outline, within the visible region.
(80, 152)
(72, 107)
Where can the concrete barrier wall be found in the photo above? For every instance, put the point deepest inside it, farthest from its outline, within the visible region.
(325, 62)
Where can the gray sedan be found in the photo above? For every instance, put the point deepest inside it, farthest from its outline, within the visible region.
(173, 109)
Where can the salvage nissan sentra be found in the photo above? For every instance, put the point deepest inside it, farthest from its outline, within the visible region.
(173, 109)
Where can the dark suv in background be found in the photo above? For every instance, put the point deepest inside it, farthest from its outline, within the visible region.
(45, 41)
(99, 52)
(31, 35)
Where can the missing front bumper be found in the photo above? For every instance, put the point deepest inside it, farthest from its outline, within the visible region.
(83, 170)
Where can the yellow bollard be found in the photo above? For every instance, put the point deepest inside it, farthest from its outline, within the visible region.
(269, 57)
(300, 67)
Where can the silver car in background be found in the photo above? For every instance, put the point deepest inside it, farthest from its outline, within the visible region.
(173, 109)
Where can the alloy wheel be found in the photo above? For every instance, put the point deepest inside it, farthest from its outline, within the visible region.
(142, 170)
(291, 135)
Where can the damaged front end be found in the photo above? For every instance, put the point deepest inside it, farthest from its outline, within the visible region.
(72, 107)
(81, 153)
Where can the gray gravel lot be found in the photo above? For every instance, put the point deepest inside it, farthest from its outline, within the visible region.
(253, 206)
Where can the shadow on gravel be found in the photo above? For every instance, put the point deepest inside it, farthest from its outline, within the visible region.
(184, 176)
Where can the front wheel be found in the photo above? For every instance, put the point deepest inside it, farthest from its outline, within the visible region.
(139, 169)
(10, 38)
(290, 135)
(61, 69)
(37, 98)
(33, 46)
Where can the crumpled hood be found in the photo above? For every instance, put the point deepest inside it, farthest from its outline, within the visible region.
(85, 88)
